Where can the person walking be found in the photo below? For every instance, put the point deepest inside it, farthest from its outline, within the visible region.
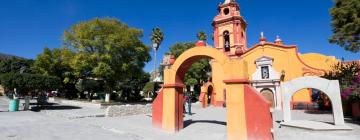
(185, 103)
(189, 104)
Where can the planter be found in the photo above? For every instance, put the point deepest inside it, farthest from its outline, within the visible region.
(355, 110)
(14, 105)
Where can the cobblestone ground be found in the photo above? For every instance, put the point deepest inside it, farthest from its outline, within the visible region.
(209, 124)
(285, 133)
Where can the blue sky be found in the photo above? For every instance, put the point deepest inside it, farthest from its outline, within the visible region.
(26, 27)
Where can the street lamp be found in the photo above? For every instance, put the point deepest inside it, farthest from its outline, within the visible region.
(155, 47)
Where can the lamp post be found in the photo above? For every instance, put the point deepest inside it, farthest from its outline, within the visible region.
(155, 47)
(156, 37)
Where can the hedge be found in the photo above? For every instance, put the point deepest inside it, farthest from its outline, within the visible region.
(29, 82)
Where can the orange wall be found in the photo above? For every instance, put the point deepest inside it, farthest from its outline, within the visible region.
(287, 59)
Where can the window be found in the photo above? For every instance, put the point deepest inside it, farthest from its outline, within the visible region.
(226, 11)
(265, 72)
(226, 35)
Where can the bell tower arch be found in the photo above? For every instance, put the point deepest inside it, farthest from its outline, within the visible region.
(229, 28)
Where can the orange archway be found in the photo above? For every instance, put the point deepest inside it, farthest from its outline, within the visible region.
(207, 94)
(248, 113)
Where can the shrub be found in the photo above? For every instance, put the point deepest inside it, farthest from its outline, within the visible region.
(25, 83)
(151, 87)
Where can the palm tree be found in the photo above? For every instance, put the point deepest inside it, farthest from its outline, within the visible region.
(201, 36)
(156, 37)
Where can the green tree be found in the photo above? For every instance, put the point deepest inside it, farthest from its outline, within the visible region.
(131, 88)
(349, 80)
(178, 48)
(345, 73)
(89, 85)
(56, 62)
(106, 49)
(346, 24)
(29, 83)
(150, 89)
(53, 62)
(15, 65)
(201, 36)
(157, 36)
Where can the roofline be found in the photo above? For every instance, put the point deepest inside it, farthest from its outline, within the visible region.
(284, 47)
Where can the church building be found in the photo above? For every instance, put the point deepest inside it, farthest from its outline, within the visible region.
(269, 62)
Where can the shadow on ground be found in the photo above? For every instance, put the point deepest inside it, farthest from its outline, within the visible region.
(353, 121)
(189, 122)
(47, 104)
(50, 107)
(318, 112)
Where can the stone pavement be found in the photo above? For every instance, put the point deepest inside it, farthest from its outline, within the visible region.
(74, 112)
(60, 110)
(209, 124)
(315, 125)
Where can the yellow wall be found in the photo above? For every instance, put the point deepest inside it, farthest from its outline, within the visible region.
(294, 64)
(218, 78)
(235, 70)
(286, 59)
(229, 28)
(319, 60)
(302, 96)
(225, 69)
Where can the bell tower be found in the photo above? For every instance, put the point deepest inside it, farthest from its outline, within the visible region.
(229, 29)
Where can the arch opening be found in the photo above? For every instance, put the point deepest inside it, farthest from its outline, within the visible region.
(329, 87)
(180, 68)
(268, 94)
(210, 96)
(317, 109)
(226, 35)
(240, 97)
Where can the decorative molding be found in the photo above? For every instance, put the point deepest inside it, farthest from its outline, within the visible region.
(284, 47)
(176, 85)
(237, 81)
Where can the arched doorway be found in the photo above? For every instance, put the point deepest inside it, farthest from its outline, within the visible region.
(210, 96)
(318, 108)
(243, 121)
(329, 87)
(268, 95)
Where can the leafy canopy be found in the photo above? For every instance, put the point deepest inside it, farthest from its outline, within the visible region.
(55, 62)
(102, 53)
(346, 24)
(201, 36)
(349, 80)
(157, 36)
(25, 82)
(107, 49)
(15, 65)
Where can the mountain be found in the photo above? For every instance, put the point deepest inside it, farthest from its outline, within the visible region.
(7, 56)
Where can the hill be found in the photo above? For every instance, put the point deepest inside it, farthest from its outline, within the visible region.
(7, 56)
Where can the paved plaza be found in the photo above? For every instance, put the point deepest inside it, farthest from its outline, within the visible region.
(65, 122)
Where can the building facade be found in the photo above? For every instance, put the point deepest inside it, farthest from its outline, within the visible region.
(269, 63)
